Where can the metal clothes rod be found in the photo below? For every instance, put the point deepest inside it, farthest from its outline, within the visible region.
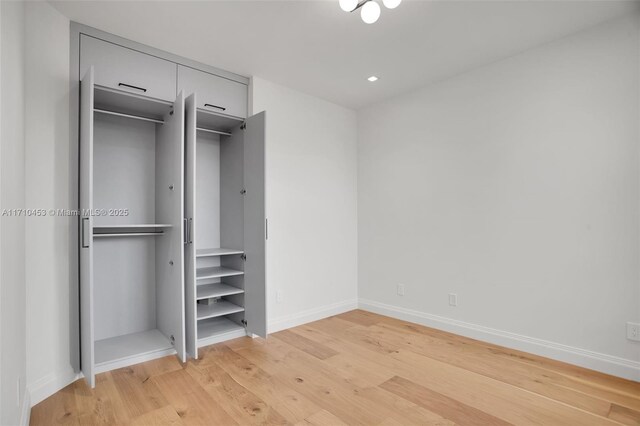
(135, 117)
(128, 234)
(217, 132)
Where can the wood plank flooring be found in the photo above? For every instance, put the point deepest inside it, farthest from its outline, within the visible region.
(357, 368)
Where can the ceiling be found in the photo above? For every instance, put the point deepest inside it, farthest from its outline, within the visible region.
(315, 47)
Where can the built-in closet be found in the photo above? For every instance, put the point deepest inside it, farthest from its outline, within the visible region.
(172, 196)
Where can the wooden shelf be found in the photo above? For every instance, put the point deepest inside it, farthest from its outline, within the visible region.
(210, 252)
(130, 349)
(216, 272)
(222, 307)
(207, 291)
(214, 330)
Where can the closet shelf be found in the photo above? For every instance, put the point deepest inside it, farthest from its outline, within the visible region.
(216, 272)
(222, 307)
(145, 225)
(206, 291)
(217, 327)
(130, 105)
(130, 346)
(209, 120)
(216, 252)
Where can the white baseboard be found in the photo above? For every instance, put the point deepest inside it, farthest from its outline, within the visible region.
(625, 368)
(310, 315)
(25, 409)
(46, 386)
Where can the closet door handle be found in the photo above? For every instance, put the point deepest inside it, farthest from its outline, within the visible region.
(85, 232)
(185, 226)
(190, 230)
(215, 106)
(133, 87)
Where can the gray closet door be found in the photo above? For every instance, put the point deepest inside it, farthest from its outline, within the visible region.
(255, 225)
(86, 227)
(190, 218)
(170, 210)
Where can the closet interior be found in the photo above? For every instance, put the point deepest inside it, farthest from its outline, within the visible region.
(131, 193)
(172, 199)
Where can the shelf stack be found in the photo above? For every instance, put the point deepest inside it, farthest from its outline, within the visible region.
(219, 295)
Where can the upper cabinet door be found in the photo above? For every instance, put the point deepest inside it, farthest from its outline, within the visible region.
(86, 226)
(215, 94)
(128, 70)
(255, 299)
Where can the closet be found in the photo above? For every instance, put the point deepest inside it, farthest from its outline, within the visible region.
(131, 259)
(172, 223)
(225, 225)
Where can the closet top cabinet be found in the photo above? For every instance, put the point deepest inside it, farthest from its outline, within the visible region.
(128, 70)
(215, 94)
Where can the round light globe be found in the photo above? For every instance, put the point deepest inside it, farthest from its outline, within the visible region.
(348, 5)
(391, 4)
(370, 12)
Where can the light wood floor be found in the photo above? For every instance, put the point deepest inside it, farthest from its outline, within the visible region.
(354, 368)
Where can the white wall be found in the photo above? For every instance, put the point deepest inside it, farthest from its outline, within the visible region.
(12, 187)
(515, 186)
(311, 205)
(47, 187)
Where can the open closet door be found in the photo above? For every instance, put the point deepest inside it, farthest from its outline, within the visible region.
(86, 227)
(170, 210)
(190, 221)
(255, 225)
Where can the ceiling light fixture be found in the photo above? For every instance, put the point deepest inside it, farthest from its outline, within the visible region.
(373, 78)
(370, 9)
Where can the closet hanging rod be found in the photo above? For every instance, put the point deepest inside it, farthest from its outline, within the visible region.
(217, 132)
(135, 117)
(128, 234)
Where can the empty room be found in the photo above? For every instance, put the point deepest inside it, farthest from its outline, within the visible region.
(320, 212)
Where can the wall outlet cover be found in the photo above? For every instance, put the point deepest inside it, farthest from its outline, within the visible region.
(453, 299)
(633, 331)
(400, 290)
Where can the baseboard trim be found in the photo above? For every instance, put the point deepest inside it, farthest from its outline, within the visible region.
(310, 315)
(25, 409)
(615, 366)
(46, 386)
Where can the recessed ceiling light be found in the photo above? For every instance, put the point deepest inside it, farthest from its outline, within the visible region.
(372, 78)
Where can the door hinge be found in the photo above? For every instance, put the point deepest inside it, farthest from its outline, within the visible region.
(244, 322)
(243, 191)
(243, 256)
(243, 126)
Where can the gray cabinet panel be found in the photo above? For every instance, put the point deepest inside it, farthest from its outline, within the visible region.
(255, 225)
(215, 93)
(86, 226)
(190, 218)
(170, 210)
(128, 70)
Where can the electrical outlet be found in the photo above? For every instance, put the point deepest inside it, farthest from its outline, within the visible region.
(633, 331)
(400, 290)
(278, 296)
(453, 299)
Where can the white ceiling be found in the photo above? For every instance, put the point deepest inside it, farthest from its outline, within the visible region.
(315, 47)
